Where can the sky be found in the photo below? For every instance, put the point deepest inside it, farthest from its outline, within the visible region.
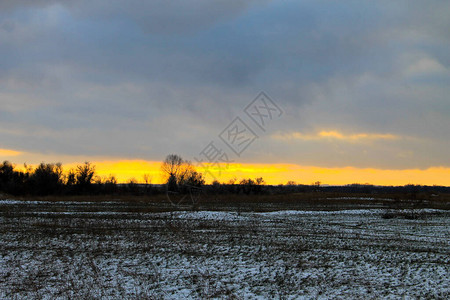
(359, 90)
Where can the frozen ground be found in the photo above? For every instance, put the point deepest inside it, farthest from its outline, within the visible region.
(360, 254)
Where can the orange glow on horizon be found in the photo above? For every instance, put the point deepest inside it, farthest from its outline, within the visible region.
(280, 173)
(274, 174)
(126, 170)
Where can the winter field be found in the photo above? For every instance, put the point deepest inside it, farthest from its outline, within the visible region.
(76, 250)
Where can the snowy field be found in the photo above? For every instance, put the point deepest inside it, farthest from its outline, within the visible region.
(65, 253)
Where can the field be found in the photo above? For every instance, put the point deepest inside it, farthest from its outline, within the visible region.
(115, 250)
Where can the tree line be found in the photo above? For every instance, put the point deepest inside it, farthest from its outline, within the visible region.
(49, 179)
(178, 174)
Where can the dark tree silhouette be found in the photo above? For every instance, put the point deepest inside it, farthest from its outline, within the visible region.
(47, 179)
(84, 176)
(250, 186)
(178, 172)
(6, 174)
(172, 168)
(12, 181)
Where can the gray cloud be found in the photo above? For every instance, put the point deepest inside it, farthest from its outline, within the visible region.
(158, 16)
(145, 79)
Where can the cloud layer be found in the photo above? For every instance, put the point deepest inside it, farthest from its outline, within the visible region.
(139, 80)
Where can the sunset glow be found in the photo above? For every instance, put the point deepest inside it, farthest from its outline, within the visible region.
(280, 173)
(355, 92)
(224, 149)
(7, 152)
(333, 134)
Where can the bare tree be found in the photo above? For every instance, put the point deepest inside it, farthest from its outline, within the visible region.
(176, 171)
(147, 179)
(252, 186)
(70, 177)
(85, 175)
(259, 181)
(171, 169)
(110, 184)
(232, 181)
(183, 181)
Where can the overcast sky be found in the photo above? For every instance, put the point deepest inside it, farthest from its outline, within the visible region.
(361, 83)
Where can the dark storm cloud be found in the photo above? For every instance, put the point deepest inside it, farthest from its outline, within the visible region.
(142, 79)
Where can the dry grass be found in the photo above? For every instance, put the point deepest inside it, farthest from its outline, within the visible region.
(134, 255)
(264, 202)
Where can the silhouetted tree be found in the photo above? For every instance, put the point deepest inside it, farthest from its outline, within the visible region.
(47, 179)
(172, 184)
(84, 176)
(6, 175)
(12, 181)
(71, 177)
(133, 187)
(216, 187)
(257, 188)
(246, 185)
(178, 172)
(110, 185)
(147, 180)
(172, 167)
(249, 186)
